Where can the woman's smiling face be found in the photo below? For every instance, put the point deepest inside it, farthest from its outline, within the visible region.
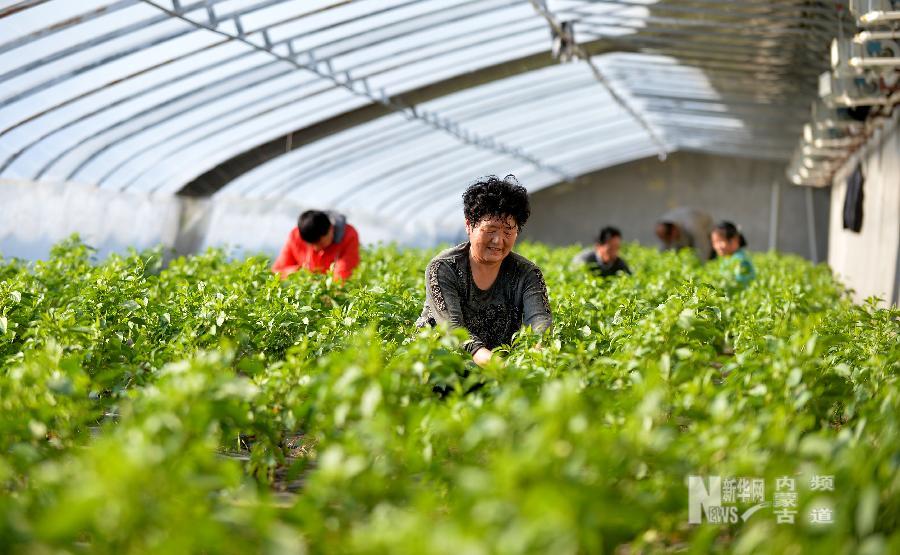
(492, 239)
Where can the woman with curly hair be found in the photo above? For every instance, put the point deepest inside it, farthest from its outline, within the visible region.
(481, 285)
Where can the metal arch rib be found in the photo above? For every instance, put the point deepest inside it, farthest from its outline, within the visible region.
(548, 140)
(764, 9)
(48, 31)
(304, 91)
(158, 142)
(152, 109)
(21, 6)
(12, 158)
(359, 148)
(214, 179)
(96, 41)
(408, 112)
(792, 75)
(364, 156)
(195, 6)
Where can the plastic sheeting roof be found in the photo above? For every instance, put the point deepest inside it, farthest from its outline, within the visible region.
(148, 95)
(403, 167)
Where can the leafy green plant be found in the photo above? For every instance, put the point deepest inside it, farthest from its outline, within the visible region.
(209, 406)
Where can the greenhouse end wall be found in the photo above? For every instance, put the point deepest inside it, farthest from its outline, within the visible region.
(632, 196)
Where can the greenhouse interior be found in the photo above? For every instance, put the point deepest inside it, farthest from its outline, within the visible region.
(450, 276)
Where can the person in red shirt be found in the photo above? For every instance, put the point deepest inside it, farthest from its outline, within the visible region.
(320, 240)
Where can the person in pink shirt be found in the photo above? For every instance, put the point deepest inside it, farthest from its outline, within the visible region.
(320, 240)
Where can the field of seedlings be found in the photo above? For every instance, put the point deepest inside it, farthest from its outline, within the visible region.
(209, 407)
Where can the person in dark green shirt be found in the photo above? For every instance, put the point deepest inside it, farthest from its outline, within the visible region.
(481, 285)
(730, 247)
(603, 258)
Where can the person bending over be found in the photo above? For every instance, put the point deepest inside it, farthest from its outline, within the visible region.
(686, 227)
(603, 258)
(481, 285)
(320, 240)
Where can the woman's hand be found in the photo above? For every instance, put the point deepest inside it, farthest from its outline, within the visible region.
(482, 356)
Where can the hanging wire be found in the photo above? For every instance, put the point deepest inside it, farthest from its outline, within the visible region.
(541, 7)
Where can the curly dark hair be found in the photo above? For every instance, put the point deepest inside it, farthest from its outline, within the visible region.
(492, 197)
